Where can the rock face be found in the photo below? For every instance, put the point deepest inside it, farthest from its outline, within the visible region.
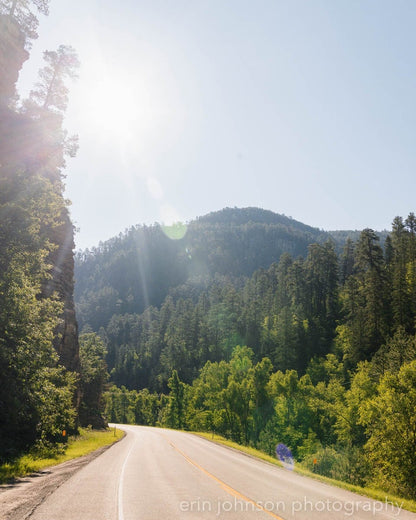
(26, 145)
(66, 340)
(12, 57)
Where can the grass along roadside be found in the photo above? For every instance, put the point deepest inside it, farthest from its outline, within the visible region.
(83, 444)
(409, 505)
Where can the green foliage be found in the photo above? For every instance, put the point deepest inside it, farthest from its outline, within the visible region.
(206, 404)
(326, 342)
(145, 407)
(132, 407)
(83, 442)
(37, 394)
(28, 322)
(141, 266)
(27, 325)
(345, 464)
(94, 377)
(325, 369)
(176, 407)
(362, 434)
(365, 299)
(347, 409)
(53, 399)
(390, 421)
(399, 349)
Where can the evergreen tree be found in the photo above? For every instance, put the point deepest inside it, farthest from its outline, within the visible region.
(401, 308)
(176, 408)
(94, 377)
(372, 288)
(51, 92)
(347, 261)
(411, 266)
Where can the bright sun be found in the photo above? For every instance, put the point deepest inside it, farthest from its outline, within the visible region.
(113, 106)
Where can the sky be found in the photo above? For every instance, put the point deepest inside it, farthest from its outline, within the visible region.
(182, 107)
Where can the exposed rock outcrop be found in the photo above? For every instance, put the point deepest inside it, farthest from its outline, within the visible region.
(12, 56)
(34, 146)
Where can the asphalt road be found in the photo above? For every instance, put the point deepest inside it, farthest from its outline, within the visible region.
(161, 474)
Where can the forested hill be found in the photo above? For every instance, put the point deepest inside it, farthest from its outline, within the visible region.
(141, 266)
(138, 268)
(241, 216)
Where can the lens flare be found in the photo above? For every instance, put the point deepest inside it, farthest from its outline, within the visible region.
(175, 231)
(285, 456)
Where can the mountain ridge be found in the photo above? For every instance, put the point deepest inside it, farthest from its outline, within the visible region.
(140, 267)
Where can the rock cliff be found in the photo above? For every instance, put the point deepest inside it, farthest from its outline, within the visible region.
(33, 146)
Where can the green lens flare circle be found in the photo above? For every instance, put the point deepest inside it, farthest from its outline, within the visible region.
(175, 231)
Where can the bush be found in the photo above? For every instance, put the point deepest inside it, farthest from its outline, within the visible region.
(346, 464)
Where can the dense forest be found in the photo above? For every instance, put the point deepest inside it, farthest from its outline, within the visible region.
(316, 351)
(41, 383)
(138, 268)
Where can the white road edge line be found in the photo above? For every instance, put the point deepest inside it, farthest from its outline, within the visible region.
(121, 479)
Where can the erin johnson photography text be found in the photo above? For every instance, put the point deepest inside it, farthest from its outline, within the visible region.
(348, 508)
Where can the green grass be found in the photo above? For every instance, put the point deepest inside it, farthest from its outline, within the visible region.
(409, 505)
(87, 442)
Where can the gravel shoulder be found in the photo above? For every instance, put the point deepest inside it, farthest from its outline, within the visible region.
(18, 500)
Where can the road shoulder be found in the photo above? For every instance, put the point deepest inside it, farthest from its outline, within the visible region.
(19, 499)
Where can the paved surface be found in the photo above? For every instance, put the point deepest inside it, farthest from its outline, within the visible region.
(162, 474)
(19, 500)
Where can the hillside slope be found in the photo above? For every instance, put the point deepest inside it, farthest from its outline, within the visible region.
(128, 273)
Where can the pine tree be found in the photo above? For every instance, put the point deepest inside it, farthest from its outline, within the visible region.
(176, 407)
(51, 92)
(21, 12)
(347, 261)
(401, 308)
(371, 276)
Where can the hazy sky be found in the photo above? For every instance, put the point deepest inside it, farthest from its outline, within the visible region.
(303, 107)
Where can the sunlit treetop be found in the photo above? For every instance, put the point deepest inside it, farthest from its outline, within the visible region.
(50, 92)
(48, 101)
(21, 11)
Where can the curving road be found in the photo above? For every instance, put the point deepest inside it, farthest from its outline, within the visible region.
(162, 474)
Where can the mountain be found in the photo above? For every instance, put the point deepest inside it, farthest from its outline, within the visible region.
(241, 216)
(139, 268)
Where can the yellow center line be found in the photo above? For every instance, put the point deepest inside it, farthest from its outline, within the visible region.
(231, 491)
